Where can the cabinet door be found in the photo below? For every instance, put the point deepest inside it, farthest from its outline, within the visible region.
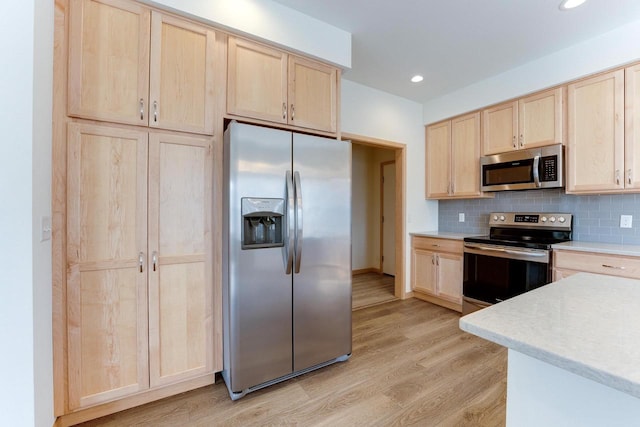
(596, 134)
(107, 273)
(256, 81)
(500, 127)
(109, 60)
(438, 161)
(450, 277)
(632, 128)
(312, 94)
(181, 89)
(181, 264)
(465, 153)
(540, 119)
(424, 271)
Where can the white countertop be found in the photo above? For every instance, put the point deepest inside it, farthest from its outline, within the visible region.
(442, 234)
(588, 324)
(605, 248)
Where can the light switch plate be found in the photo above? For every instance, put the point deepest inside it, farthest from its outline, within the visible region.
(461, 217)
(45, 230)
(626, 221)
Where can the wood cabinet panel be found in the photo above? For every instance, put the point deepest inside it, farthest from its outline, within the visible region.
(450, 277)
(540, 119)
(465, 155)
(256, 81)
(180, 292)
(438, 160)
(613, 265)
(312, 94)
(500, 128)
(109, 60)
(437, 244)
(106, 285)
(424, 271)
(596, 134)
(181, 90)
(632, 128)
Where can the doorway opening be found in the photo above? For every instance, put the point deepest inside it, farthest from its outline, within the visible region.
(377, 220)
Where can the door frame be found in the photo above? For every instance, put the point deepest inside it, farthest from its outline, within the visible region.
(382, 165)
(401, 166)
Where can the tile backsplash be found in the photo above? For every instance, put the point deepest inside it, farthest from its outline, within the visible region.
(595, 218)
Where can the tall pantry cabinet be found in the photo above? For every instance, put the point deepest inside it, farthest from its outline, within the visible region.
(138, 295)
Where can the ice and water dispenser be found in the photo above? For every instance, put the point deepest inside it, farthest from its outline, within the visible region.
(262, 223)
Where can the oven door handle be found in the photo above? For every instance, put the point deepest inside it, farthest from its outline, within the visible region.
(485, 248)
(511, 252)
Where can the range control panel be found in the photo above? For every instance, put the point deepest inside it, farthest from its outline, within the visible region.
(531, 219)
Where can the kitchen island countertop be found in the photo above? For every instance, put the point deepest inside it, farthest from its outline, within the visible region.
(587, 324)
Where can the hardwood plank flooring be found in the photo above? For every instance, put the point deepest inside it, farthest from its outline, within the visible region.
(411, 365)
(369, 289)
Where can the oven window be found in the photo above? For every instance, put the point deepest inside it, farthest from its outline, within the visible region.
(508, 173)
(492, 279)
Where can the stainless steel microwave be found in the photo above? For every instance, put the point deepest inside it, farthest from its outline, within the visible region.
(532, 168)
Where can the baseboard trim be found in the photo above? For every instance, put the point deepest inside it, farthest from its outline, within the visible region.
(365, 271)
(438, 301)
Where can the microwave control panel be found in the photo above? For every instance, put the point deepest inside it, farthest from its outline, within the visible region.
(549, 168)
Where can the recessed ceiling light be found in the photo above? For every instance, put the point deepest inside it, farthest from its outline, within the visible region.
(570, 4)
(417, 78)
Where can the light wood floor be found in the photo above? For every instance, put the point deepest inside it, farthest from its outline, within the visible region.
(411, 365)
(369, 289)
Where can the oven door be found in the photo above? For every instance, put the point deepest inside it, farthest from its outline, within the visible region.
(494, 273)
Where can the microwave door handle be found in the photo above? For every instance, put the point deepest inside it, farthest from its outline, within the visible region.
(536, 170)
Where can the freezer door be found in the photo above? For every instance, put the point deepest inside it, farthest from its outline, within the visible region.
(322, 274)
(258, 299)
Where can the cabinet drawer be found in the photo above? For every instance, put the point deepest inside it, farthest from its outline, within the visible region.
(437, 244)
(613, 265)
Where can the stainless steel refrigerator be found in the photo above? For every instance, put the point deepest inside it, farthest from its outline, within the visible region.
(286, 255)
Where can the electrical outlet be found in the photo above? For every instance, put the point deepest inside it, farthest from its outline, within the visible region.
(461, 217)
(626, 221)
(45, 231)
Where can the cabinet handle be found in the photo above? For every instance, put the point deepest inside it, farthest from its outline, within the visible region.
(617, 176)
(435, 244)
(515, 145)
(154, 260)
(141, 109)
(284, 111)
(437, 260)
(629, 176)
(293, 112)
(155, 111)
(612, 266)
(141, 261)
(521, 141)
(433, 259)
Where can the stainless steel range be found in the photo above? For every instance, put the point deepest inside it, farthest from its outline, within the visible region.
(514, 258)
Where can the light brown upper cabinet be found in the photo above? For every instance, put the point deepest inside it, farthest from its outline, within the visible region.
(596, 148)
(130, 65)
(269, 84)
(632, 128)
(453, 158)
(139, 255)
(532, 121)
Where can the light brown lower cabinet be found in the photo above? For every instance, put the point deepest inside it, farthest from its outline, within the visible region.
(567, 262)
(436, 271)
(139, 253)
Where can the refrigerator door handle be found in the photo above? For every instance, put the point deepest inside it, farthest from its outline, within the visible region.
(298, 244)
(290, 223)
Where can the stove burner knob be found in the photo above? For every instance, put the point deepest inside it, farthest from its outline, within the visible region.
(561, 219)
(495, 217)
(552, 219)
(502, 218)
(543, 219)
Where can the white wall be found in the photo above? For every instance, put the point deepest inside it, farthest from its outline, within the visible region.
(373, 113)
(614, 48)
(25, 263)
(271, 21)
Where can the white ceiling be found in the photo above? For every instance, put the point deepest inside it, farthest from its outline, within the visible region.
(455, 43)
